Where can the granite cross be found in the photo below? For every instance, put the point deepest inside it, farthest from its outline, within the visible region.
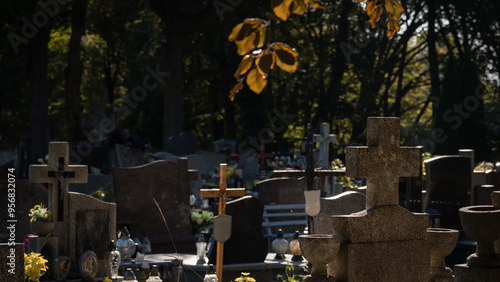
(382, 162)
(324, 139)
(262, 155)
(222, 193)
(58, 174)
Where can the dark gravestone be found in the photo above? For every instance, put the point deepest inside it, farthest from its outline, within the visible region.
(342, 204)
(128, 156)
(181, 145)
(169, 184)
(281, 190)
(225, 146)
(95, 181)
(247, 243)
(448, 188)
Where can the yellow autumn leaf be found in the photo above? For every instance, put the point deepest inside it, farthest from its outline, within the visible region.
(317, 5)
(286, 57)
(255, 81)
(392, 27)
(235, 90)
(299, 7)
(281, 8)
(265, 63)
(394, 8)
(244, 66)
(371, 5)
(260, 38)
(244, 35)
(375, 16)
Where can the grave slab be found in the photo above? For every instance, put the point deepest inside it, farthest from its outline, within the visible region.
(463, 273)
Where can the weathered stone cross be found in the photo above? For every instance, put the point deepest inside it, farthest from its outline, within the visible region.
(222, 193)
(324, 139)
(382, 162)
(58, 174)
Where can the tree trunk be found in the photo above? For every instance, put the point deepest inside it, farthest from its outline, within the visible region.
(74, 71)
(38, 93)
(433, 57)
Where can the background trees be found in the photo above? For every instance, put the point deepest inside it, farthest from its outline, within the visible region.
(346, 71)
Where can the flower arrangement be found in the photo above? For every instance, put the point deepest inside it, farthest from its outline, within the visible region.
(245, 277)
(39, 212)
(202, 220)
(232, 172)
(34, 266)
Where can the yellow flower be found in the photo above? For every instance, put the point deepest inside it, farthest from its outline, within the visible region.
(207, 215)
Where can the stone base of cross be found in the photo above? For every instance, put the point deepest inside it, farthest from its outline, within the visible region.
(222, 222)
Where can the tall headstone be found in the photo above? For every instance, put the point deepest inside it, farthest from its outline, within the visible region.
(169, 184)
(448, 188)
(281, 190)
(384, 242)
(324, 139)
(77, 217)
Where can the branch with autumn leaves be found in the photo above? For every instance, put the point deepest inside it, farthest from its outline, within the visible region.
(250, 37)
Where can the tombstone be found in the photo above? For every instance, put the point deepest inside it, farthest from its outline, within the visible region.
(282, 190)
(384, 242)
(210, 162)
(128, 156)
(249, 166)
(225, 146)
(169, 184)
(95, 181)
(324, 139)
(342, 204)
(247, 243)
(12, 262)
(183, 144)
(78, 218)
(448, 188)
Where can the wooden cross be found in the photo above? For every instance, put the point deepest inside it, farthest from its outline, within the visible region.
(262, 155)
(324, 139)
(222, 193)
(58, 174)
(382, 162)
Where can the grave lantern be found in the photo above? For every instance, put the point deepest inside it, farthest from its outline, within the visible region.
(201, 247)
(280, 245)
(294, 247)
(88, 263)
(125, 245)
(114, 259)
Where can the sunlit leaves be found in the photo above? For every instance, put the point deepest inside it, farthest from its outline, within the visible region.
(248, 35)
(265, 63)
(235, 90)
(286, 57)
(394, 9)
(284, 8)
(244, 66)
(256, 81)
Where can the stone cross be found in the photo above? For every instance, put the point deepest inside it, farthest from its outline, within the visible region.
(58, 174)
(222, 193)
(262, 155)
(324, 139)
(382, 162)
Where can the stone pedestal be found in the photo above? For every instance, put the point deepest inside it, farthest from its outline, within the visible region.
(12, 262)
(464, 273)
(387, 244)
(47, 246)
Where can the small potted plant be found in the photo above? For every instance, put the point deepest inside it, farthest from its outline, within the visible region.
(41, 222)
(34, 267)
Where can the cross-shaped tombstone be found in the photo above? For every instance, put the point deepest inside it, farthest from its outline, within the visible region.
(324, 139)
(222, 222)
(382, 162)
(262, 155)
(58, 174)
